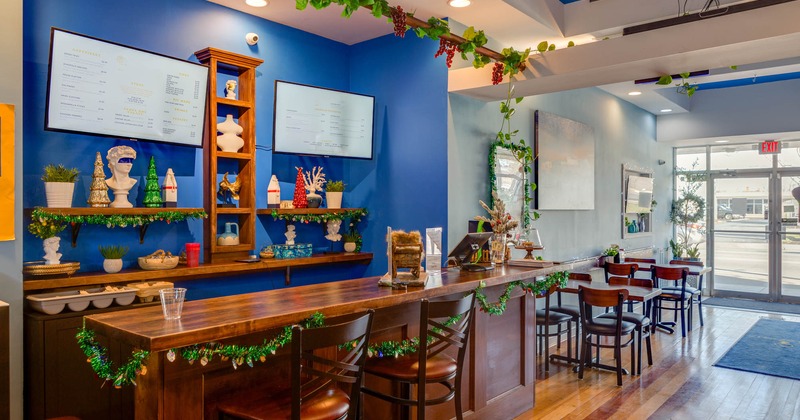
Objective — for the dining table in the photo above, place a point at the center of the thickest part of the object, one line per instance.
(694, 270)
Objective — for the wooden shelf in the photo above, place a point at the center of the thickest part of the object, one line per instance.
(183, 273)
(235, 102)
(305, 211)
(108, 211)
(233, 155)
(232, 210)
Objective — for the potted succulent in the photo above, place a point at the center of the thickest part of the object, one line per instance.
(350, 240)
(48, 232)
(333, 194)
(59, 185)
(113, 257)
(610, 255)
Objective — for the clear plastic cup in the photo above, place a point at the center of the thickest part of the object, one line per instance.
(172, 302)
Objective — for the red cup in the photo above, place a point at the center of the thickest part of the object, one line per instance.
(192, 254)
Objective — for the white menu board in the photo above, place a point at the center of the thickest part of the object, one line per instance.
(98, 87)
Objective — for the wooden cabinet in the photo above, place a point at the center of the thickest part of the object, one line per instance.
(59, 382)
(240, 165)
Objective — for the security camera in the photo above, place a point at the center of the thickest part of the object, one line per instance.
(252, 38)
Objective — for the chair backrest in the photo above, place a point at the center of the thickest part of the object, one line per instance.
(625, 281)
(682, 262)
(660, 274)
(605, 298)
(436, 337)
(624, 269)
(640, 260)
(319, 373)
(580, 276)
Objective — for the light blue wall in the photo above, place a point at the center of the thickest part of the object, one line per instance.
(623, 134)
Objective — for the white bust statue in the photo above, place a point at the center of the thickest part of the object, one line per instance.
(230, 89)
(120, 160)
(290, 235)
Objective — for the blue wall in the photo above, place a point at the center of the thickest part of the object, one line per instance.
(410, 91)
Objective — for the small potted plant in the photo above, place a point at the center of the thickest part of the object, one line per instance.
(693, 252)
(48, 232)
(59, 185)
(609, 255)
(113, 257)
(350, 240)
(333, 194)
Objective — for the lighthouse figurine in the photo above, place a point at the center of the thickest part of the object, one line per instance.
(273, 193)
(169, 190)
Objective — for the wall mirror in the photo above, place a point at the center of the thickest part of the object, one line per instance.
(509, 167)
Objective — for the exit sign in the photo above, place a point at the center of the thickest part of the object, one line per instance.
(769, 148)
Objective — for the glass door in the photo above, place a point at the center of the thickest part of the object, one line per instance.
(789, 238)
(741, 236)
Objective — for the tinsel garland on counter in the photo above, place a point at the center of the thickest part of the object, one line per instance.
(121, 220)
(239, 355)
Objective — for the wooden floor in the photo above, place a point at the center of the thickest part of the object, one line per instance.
(681, 384)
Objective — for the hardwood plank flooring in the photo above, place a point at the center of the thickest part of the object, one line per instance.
(681, 384)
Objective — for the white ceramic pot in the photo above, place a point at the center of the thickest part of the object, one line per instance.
(59, 194)
(349, 247)
(113, 265)
(229, 141)
(334, 199)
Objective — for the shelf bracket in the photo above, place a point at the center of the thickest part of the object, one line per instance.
(288, 276)
(75, 229)
(143, 231)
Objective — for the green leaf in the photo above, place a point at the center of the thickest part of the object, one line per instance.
(518, 99)
(542, 47)
(570, 44)
(503, 107)
(511, 112)
(664, 80)
(469, 33)
(552, 47)
(734, 67)
(685, 75)
(690, 91)
(301, 4)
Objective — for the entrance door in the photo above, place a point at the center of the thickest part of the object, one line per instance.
(789, 239)
(742, 236)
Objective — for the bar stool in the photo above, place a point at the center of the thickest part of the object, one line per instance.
(319, 394)
(430, 365)
(642, 321)
(625, 269)
(571, 310)
(697, 291)
(672, 282)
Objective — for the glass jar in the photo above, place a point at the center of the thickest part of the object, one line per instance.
(498, 248)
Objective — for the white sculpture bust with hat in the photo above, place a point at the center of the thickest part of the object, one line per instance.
(120, 161)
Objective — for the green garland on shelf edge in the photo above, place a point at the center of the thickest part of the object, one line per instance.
(239, 355)
(118, 219)
(355, 214)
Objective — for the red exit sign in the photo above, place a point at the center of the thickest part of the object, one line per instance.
(769, 147)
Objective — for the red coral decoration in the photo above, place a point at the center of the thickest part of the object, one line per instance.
(300, 201)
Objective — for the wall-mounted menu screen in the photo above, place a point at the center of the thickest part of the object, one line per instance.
(102, 88)
(322, 122)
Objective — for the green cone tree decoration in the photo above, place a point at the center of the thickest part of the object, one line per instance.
(152, 191)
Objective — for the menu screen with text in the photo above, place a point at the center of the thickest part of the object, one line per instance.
(103, 88)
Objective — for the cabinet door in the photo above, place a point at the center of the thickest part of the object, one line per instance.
(71, 388)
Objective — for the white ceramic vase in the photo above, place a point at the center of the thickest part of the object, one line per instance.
(59, 194)
(349, 247)
(51, 254)
(113, 265)
(334, 199)
(229, 141)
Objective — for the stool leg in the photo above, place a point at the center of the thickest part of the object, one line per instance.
(700, 307)
(639, 344)
(683, 323)
(585, 349)
(569, 339)
(459, 413)
(649, 351)
(546, 347)
(618, 356)
(558, 337)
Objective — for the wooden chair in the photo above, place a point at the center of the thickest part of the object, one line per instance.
(546, 318)
(430, 365)
(697, 290)
(572, 310)
(611, 326)
(316, 381)
(625, 269)
(640, 260)
(642, 321)
(672, 282)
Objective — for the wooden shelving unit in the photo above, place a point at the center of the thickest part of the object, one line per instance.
(224, 65)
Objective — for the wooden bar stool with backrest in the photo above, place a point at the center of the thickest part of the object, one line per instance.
(697, 290)
(572, 310)
(672, 282)
(625, 269)
(641, 261)
(545, 318)
(430, 365)
(642, 321)
(603, 327)
(316, 381)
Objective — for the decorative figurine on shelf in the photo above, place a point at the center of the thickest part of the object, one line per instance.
(313, 182)
(169, 190)
(229, 141)
(407, 252)
(273, 193)
(333, 230)
(230, 89)
(290, 234)
(48, 232)
(229, 191)
(98, 195)
(120, 161)
(152, 192)
(300, 200)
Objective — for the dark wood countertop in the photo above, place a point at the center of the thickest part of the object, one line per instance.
(238, 315)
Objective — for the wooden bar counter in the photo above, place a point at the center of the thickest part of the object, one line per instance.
(500, 362)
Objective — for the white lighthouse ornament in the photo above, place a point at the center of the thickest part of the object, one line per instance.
(169, 190)
(273, 193)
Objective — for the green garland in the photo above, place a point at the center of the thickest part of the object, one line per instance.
(121, 220)
(98, 359)
(355, 214)
(239, 355)
(523, 153)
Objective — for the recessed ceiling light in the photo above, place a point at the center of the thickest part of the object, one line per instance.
(256, 3)
(458, 3)
(634, 93)
(722, 141)
(666, 110)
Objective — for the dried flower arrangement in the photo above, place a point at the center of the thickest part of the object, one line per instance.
(500, 220)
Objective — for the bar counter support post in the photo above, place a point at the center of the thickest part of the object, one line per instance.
(288, 276)
(149, 397)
